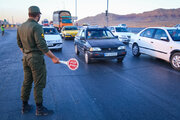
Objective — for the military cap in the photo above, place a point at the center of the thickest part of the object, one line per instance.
(34, 9)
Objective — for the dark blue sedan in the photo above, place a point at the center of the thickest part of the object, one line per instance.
(98, 43)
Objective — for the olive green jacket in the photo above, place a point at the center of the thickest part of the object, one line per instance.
(30, 37)
(2, 28)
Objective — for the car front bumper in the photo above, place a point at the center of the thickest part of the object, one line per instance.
(102, 55)
(70, 36)
(55, 46)
(124, 40)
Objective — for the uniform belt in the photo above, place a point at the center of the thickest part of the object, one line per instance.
(35, 52)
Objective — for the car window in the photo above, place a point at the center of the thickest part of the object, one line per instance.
(120, 29)
(50, 31)
(99, 34)
(83, 34)
(109, 28)
(175, 34)
(178, 25)
(147, 33)
(79, 32)
(70, 28)
(160, 33)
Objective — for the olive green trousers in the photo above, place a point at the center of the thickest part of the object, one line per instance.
(34, 71)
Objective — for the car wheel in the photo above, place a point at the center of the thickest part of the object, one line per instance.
(175, 61)
(119, 60)
(135, 50)
(76, 50)
(87, 58)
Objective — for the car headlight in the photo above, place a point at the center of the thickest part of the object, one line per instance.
(58, 40)
(95, 49)
(121, 48)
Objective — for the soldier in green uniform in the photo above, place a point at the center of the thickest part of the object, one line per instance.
(2, 29)
(30, 39)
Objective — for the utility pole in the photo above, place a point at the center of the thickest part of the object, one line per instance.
(75, 17)
(107, 13)
(76, 8)
(12, 20)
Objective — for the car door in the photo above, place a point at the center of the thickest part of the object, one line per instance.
(77, 38)
(161, 44)
(144, 41)
(82, 41)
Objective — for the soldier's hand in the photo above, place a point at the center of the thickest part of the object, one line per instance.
(55, 60)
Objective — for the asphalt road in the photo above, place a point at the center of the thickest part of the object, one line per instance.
(143, 88)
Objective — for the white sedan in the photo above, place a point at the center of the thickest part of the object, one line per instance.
(160, 42)
(123, 34)
(177, 26)
(52, 37)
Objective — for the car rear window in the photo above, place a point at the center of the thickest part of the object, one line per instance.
(147, 33)
(70, 28)
(50, 31)
(119, 29)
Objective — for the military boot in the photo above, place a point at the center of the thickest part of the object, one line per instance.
(42, 111)
(26, 107)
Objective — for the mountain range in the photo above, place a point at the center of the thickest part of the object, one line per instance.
(156, 18)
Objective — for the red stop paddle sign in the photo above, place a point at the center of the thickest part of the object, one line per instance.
(72, 63)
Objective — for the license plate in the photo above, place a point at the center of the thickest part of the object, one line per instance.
(110, 54)
(49, 44)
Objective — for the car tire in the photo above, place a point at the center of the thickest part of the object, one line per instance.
(87, 58)
(76, 50)
(119, 60)
(175, 61)
(135, 50)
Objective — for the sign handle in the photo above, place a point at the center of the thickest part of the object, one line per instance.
(64, 62)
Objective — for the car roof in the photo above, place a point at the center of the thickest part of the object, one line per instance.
(116, 26)
(69, 26)
(165, 28)
(48, 27)
(94, 27)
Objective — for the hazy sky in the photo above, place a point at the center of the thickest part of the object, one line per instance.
(18, 9)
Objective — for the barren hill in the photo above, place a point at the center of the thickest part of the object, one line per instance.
(158, 17)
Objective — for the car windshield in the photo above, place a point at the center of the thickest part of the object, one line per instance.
(119, 29)
(175, 34)
(99, 34)
(45, 22)
(70, 28)
(50, 31)
(66, 20)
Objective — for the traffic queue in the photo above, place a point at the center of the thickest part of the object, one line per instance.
(158, 42)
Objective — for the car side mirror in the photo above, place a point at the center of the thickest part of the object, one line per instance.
(164, 38)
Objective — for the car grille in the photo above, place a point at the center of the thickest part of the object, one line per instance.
(54, 44)
(109, 49)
